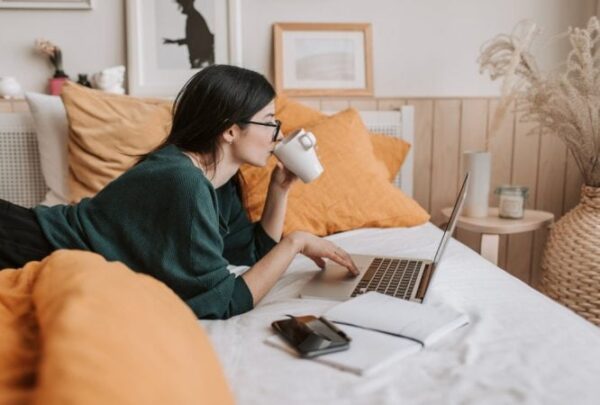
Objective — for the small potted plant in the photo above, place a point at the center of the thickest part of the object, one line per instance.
(54, 54)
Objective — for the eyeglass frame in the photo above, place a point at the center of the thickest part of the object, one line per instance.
(276, 125)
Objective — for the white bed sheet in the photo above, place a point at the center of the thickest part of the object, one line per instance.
(520, 346)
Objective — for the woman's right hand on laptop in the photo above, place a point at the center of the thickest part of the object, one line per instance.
(317, 249)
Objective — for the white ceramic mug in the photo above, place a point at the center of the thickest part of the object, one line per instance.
(297, 152)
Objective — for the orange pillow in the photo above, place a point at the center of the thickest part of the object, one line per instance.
(95, 332)
(353, 192)
(294, 115)
(107, 133)
(391, 151)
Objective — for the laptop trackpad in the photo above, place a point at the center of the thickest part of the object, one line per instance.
(334, 273)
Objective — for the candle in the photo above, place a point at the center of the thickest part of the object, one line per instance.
(511, 201)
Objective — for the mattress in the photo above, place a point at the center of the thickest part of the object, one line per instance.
(520, 347)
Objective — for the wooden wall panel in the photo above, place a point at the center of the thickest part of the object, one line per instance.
(368, 104)
(549, 193)
(422, 151)
(334, 104)
(524, 172)
(311, 102)
(445, 153)
(390, 104)
(500, 144)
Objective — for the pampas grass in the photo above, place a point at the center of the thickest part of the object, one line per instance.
(565, 103)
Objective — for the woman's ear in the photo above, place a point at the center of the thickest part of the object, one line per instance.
(231, 134)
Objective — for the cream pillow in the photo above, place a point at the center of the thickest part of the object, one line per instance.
(51, 127)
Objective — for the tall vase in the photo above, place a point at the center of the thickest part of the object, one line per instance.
(479, 165)
(571, 261)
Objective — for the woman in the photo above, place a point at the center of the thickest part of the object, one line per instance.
(177, 215)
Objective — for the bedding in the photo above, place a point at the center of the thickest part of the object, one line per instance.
(77, 329)
(520, 348)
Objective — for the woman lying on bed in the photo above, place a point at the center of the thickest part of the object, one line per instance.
(177, 215)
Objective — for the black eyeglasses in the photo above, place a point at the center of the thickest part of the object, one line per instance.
(276, 125)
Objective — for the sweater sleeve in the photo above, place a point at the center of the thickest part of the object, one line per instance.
(212, 291)
(246, 242)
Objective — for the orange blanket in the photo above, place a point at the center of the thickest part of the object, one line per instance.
(75, 329)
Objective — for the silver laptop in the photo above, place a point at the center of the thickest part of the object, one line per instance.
(402, 277)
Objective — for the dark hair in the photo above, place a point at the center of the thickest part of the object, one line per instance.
(213, 100)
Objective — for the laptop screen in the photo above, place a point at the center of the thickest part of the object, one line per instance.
(449, 230)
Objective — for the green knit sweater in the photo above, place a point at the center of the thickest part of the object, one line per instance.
(164, 218)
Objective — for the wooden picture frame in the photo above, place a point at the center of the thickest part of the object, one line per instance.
(48, 4)
(323, 59)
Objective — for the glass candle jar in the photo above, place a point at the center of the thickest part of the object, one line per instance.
(511, 202)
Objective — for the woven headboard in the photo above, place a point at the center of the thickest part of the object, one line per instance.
(21, 180)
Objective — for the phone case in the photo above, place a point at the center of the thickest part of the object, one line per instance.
(312, 336)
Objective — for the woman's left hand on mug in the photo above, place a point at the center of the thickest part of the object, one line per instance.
(282, 178)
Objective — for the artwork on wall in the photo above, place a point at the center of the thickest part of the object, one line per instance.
(47, 4)
(169, 41)
(323, 59)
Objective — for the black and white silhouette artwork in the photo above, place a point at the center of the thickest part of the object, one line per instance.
(185, 38)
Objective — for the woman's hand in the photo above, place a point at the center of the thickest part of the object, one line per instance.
(317, 249)
(281, 178)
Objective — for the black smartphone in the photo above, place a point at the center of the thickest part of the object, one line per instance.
(312, 336)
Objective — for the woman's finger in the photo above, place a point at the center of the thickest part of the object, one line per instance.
(345, 261)
(346, 256)
(318, 261)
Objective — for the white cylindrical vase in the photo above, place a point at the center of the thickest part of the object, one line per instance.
(479, 165)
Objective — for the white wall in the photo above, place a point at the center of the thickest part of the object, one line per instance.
(421, 47)
(90, 40)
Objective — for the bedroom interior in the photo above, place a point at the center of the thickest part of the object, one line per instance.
(393, 118)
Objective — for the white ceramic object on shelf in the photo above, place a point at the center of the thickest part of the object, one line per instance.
(479, 164)
(9, 87)
(110, 80)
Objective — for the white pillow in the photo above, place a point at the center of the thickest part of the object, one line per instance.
(51, 125)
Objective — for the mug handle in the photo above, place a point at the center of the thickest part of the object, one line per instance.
(308, 140)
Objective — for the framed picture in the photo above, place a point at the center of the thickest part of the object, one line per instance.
(323, 59)
(168, 41)
(47, 4)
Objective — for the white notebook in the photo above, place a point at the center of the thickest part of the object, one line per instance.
(420, 322)
(383, 330)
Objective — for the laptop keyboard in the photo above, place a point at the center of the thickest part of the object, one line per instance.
(395, 277)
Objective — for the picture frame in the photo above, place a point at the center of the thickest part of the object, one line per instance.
(48, 4)
(323, 59)
(161, 57)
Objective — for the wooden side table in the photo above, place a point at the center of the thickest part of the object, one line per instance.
(492, 226)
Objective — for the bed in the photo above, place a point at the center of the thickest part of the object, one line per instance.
(520, 346)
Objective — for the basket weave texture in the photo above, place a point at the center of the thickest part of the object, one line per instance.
(571, 262)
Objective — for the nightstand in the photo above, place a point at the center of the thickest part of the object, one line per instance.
(492, 226)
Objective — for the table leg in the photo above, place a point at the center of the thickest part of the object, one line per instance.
(489, 247)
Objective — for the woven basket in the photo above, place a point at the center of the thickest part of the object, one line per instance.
(571, 262)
